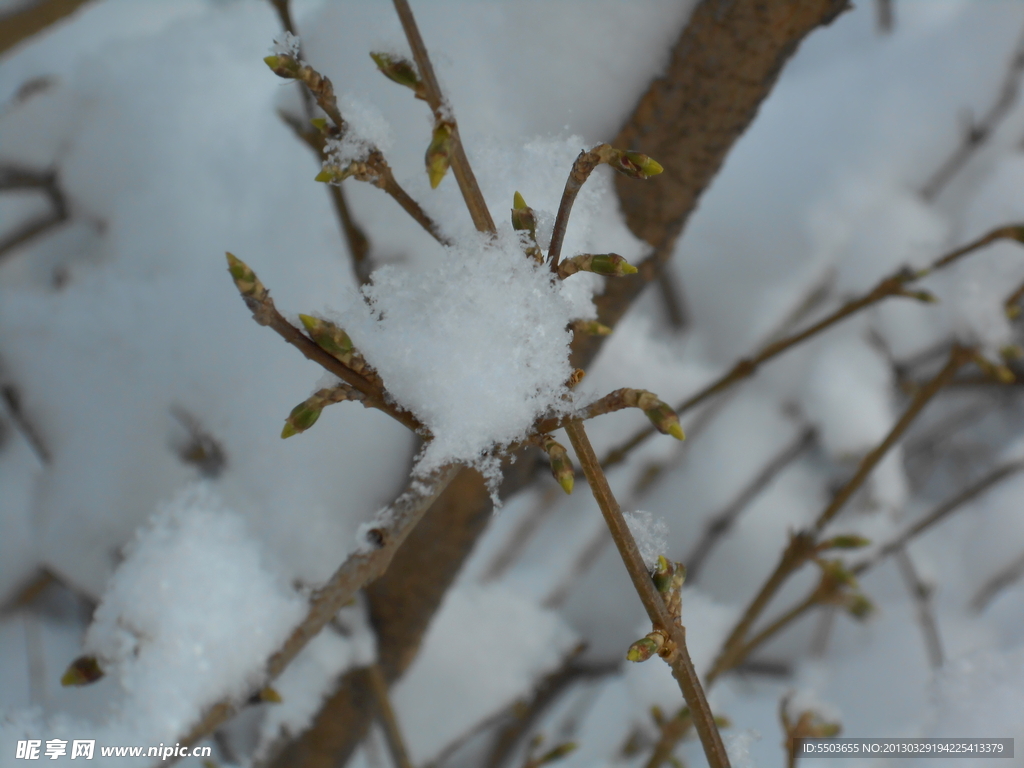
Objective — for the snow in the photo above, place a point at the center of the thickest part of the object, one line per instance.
(475, 346)
(190, 616)
(650, 534)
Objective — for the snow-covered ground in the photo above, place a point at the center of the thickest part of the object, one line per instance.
(124, 346)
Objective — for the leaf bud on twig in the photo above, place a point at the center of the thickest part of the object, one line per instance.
(245, 279)
(646, 647)
(401, 71)
(284, 66)
(636, 165)
(591, 328)
(82, 671)
(659, 412)
(305, 414)
(561, 464)
(439, 153)
(607, 264)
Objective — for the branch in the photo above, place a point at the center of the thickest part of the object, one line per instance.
(23, 24)
(723, 65)
(977, 134)
(443, 113)
(361, 567)
(921, 593)
(388, 719)
(657, 610)
(1000, 581)
(893, 285)
(258, 299)
(802, 545)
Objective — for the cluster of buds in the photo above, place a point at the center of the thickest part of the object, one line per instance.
(659, 412)
(561, 464)
(809, 724)
(668, 578)
(607, 264)
(335, 342)
(360, 170)
(401, 71)
(305, 414)
(82, 671)
(839, 587)
(524, 220)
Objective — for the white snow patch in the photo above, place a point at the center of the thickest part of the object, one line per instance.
(650, 534)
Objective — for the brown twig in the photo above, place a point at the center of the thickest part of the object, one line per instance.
(893, 285)
(921, 593)
(977, 133)
(12, 399)
(801, 546)
(32, 19)
(16, 178)
(362, 566)
(939, 514)
(1002, 579)
(443, 112)
(582, 167)
(722, 522)
(678, 659)
(388, 719)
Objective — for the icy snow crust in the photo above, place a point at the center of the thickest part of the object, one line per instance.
(161, 123)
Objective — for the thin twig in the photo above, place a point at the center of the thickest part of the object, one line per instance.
(720, 524)
(977, 133)
(898, 544)
(801, 546)
(266, 313)
(12, 399)
(921, 593)
(443, 112)
(893, 285)
(361, 567)
(388, 719)
(34, 18)
(584, 165)
(939, 514)
(679, 658)
(1003, 578)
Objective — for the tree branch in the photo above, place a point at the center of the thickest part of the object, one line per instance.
(679, 658)
(443, 112)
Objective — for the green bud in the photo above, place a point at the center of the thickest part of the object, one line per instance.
(608, 264)
(668, 577)
(82, 671)
(438, 157)
(328, 337)
(335, 174)
(245, 279)
(591, 328)
(283, 65)
(636, 165)
(401, 71)
(561, 464)
(269, 696)
(663, 417)
(320, 123)
(646, 647)
(847, 541)
(611, 264)
(1013, 311)
(859, 606)
(523, 218)
(557, 753)
(302, 417)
